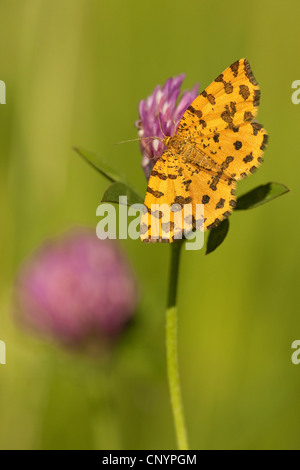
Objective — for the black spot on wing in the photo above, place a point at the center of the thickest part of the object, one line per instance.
(248, 158)
(220, 204)
(249, 73)
(155, 193)
(197, 112)
(235, 68)
(238, 145)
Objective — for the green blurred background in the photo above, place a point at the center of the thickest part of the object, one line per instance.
(75, 71)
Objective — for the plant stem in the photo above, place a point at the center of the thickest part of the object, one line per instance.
(171, 346)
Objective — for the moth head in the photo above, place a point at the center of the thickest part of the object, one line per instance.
(167, 141)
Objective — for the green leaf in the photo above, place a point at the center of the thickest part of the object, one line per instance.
(217, 236)
(117, 189)
(100, 165)
(261, 195)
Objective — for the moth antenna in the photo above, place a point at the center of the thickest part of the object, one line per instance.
(129, 140)
(159, 122)
(138, 139)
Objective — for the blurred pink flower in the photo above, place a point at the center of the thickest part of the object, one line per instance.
(77, 290)
(160, 112)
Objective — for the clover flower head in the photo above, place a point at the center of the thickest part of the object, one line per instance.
(159, 116)
(77, 290)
